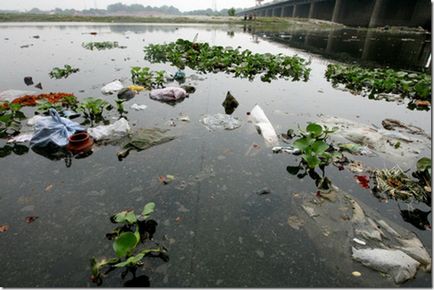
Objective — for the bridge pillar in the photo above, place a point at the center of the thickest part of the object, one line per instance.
(269, 12)
(277, 11)
(287, 11)
(337, 11)
(311, 9)
(379, 7)
(294, 11)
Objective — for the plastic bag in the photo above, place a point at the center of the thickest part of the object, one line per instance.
(264, 126)
(169, 94)
(117, 130)
(112, 87)
(53, 129)
(220, 121)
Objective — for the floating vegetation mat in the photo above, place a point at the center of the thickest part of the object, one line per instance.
(375, 82)
(205, 58)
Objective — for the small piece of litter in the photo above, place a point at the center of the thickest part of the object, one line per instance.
(30, 219)
(356, 274)
(138, 107)
(360, 242)
(4, 228)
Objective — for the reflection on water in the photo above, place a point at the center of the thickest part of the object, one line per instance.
(397, 50)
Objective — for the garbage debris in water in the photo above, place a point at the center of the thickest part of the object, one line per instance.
(126, 94)
(32, 100)
(295, 222)
(355, 166)
(166, 179)
(264, 126)
(220, 121)
(115, 131)
(380, 140)
(136, 88)
(113, 87)
(38, 86)
(143, 139)
(179, 76)
(169, 94)
(355, 149)
(356, 274)
(389, 248)
(287, 149)
(4, 228)
(183, 118)
(363, 181)
(230, 103)
(263, 191)
(392, 124)
(53, 130)
(397, 185)
(28, 81)
(22, 138)
(138, 107)
(31, 219)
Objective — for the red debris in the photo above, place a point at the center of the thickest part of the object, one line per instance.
(4, 228)
(363, 181)
(31, 100)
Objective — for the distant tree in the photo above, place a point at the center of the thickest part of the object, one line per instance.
(231, 12)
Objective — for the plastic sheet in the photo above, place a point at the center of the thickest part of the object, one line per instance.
(117, 130)
(264, 126)
(53, 129)
(220, 121)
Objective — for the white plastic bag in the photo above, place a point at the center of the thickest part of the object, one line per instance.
(264, 126)
(53, 129)
(117, 130)
(112, 87)
(169, 94)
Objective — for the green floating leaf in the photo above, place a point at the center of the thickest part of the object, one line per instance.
(125, 216)
(423, 164)
(312, 161)
(125, 244)
(303, 143)
(319, 147)
(314, 129)
(148, 210)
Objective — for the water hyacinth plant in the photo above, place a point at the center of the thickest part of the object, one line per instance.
(242, 63)
(372, 82)
(149, 79)
(132, 242)
(100, 45)
(59, 73)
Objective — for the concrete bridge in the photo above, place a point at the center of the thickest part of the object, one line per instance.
(364, 13)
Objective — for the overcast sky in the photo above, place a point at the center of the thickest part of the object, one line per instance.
(183, 5)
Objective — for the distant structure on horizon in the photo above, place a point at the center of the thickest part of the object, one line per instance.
(363, 13)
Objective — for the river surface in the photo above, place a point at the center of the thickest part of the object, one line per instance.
(219, 232)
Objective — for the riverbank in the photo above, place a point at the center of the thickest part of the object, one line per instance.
(281, 23)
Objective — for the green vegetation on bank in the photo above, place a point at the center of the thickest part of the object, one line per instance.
(28, 17)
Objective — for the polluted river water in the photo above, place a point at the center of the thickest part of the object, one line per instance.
(227, 217)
